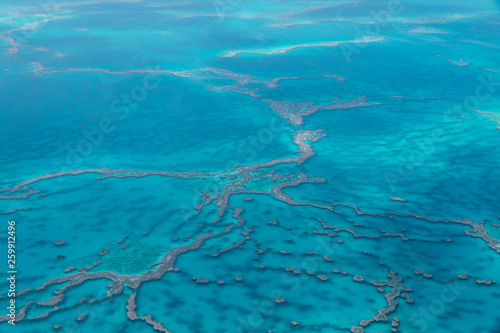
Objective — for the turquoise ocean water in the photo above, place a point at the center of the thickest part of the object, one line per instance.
(177, 135)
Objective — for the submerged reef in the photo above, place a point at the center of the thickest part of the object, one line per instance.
(222, 208)
(303, 139)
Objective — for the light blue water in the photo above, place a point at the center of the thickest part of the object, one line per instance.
(148, 86)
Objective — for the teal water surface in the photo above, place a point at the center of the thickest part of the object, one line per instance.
(171, 145)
